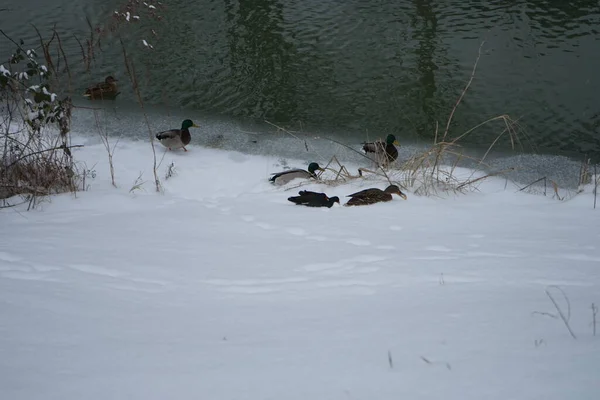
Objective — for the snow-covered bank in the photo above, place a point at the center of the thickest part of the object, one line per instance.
(222, 289)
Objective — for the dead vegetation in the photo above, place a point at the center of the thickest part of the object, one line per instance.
(36, 158)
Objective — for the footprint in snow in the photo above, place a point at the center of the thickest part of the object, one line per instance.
(27, 276)
(96, 270)
(348, 265)
(8, 257)
(318, 238)
(296, 231)
(438, 248)
(358, 242)
(477, 236)
(264, 225)
(577, 257)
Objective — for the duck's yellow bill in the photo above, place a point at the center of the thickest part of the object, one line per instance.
(195, 126)
(396, 143)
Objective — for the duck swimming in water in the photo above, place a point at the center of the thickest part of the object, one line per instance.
(281, 178)
(106, 90)
(314, 199)
(177, 138)
(374, 195)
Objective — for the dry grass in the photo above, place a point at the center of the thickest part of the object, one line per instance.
(33, 168)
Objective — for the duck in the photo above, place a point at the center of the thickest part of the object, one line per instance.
(386, 153)
(374, 195)
(314, 199)
(177, 138)
(103, 90)
(281, 178)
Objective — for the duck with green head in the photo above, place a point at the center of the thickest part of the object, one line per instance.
(177, 138)
(386, 153)
(281, 178)
(106, 90)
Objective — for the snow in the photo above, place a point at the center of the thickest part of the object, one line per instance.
(47, 93)
(4, 71)
(220, 288)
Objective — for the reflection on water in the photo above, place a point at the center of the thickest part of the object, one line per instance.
(357, 69)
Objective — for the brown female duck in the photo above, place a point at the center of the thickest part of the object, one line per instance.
(374, 195)
(106, 90)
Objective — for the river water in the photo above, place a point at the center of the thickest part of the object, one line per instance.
(345, 69)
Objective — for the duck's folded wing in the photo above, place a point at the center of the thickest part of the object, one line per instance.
(363, 193)
(171, 134)
(309, 193)
(360, 194)
(290, 172)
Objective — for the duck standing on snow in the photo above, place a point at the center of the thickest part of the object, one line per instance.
(281, 178)
(386, 153)
(177, 138)
(103, 90)
(314, 199)
(374, 195)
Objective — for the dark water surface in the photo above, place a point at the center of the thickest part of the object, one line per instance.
(349, 68)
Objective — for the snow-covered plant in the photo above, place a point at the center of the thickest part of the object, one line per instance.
(35, 157)
(27, 82)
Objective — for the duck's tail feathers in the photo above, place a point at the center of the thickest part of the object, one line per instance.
(295, 199)
(372, 147)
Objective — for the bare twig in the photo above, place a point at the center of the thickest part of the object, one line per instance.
(595, 185)
(43, 151)
(533, 183)
(564, 318)
(594, 313)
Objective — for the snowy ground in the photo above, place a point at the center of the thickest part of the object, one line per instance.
(222, 289)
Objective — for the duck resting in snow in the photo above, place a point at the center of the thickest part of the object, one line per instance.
(103, 90)
(374, 195)
(177, 138)
(281, 178)
(386, 153)
(313, 199)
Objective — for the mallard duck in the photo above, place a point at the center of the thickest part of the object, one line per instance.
(386, 153)
(281, 178)
(177, 138)
(314, 199)
(374, 195)
(103, 90)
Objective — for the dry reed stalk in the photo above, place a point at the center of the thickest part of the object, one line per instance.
(594, 313)
(136, 89)
(596, 185)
